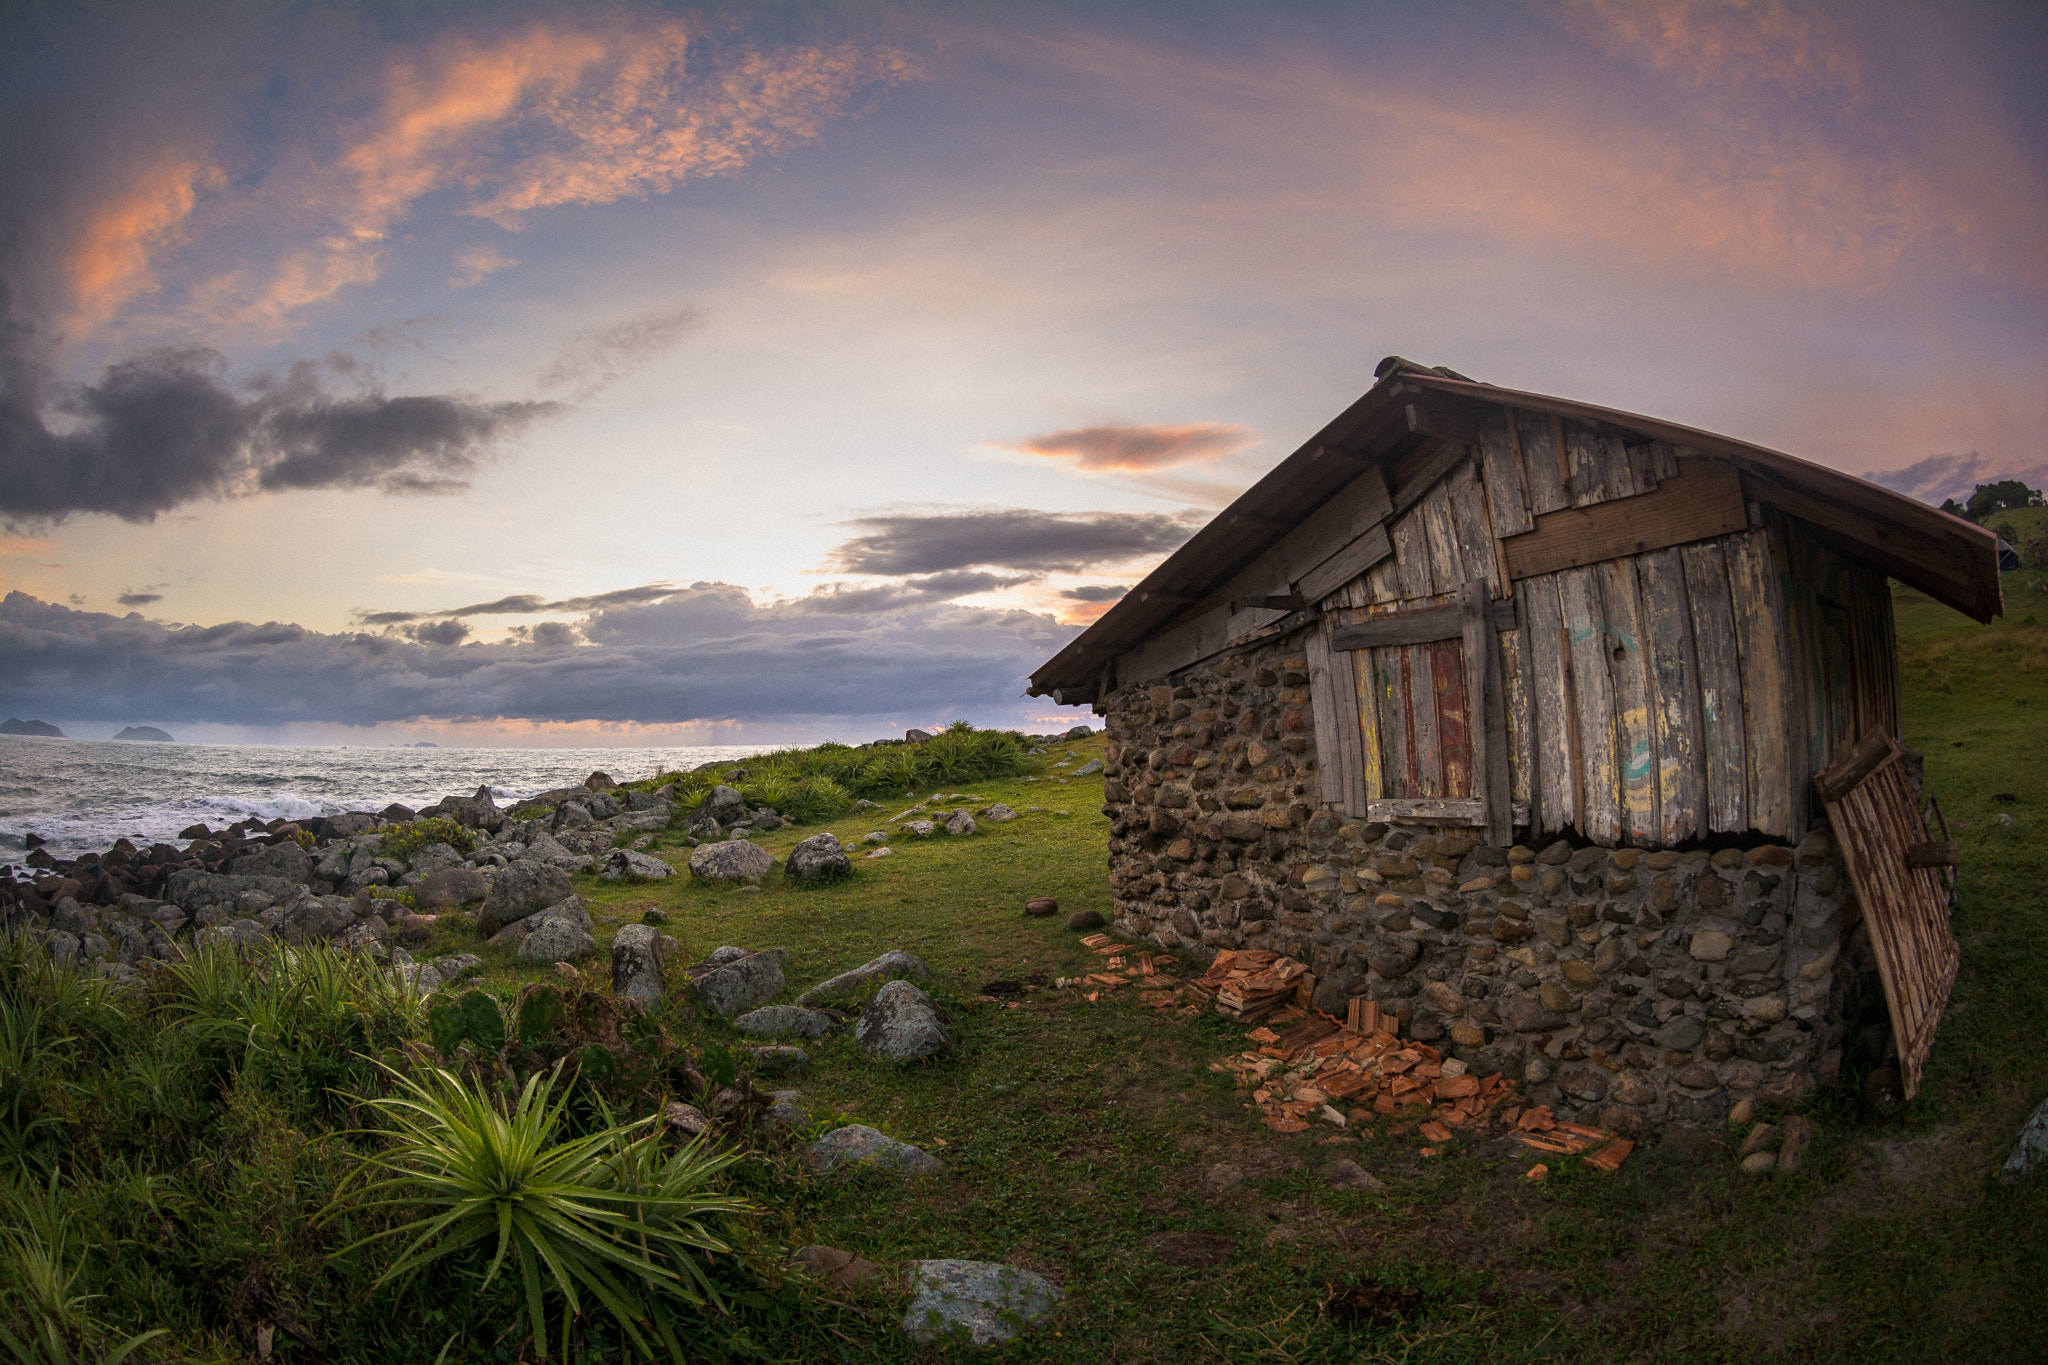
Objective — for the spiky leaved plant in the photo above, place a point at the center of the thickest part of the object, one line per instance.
(605, 1215)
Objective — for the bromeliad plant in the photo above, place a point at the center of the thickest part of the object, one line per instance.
(609, 1217)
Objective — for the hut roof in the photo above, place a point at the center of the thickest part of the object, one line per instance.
(1951, 560)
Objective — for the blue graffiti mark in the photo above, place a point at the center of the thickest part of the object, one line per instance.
(1638, 764)
(1627, 640)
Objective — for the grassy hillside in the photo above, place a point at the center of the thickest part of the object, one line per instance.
(1077, 1133)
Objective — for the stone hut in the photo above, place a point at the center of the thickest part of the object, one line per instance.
(1508, 710)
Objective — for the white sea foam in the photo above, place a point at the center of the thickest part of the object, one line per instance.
(84, 794)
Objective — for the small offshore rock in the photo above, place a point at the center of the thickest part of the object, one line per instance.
(817, 858)
(770, 1020)
(730, 860)
(986, 1301)
(889, 966)
(901, 1023)
(859, 1145)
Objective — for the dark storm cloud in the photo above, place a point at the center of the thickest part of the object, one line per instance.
(705, 652)
(1017, 539)
(526, 604)
(139, 599)
(164, 428)
(437, 632)
(1095, 592)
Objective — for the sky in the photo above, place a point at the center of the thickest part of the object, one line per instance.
(641, 374)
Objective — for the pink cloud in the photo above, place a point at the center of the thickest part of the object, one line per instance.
(1136, 448)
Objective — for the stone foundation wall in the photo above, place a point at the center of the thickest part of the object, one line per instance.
(1621, 985)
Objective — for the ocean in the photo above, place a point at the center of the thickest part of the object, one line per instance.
(82, 794)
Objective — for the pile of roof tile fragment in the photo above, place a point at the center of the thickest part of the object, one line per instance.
(1320, 1064)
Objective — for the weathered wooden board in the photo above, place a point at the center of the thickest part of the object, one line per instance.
(1411, 557)
(1579, 605)
(1664, 460)
(1365, 683)
(1758, 626)
(1430, 811)
(1345, 565)
(1446, 555)
(1414, 627)
(1674, 674)
(1487, 710)
(1905, 907)
(1472, 525)
(1635, 736)
(1453, 718)
(1397, 727)
(1543, 460)
(1703, 501)
(1642, 467)
(1507, 493)
(1584, 465)
(1514, 651)
(1550, 704)
(1334, 749)
(1723, 723)
(1425, 755)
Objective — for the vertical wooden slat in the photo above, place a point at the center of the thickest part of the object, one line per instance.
(1506, 493)
(1487, 715)
(1617, 475)
(1759, 623)
(1542, 462)
(1425, 756)
(1363, 681)
(1579, 604)
(1411, 555)
(1642, 467)
(1397, 730)
(1663, 460)
(1722, 726)
(1446, 555)
(1556, 806)
(1628, 665)
(1583, 464)
(1336, 725)
(1454, 732)
(1473, 527)
(1674, 673)
(1514, 656)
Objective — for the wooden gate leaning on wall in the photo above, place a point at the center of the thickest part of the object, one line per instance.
(1896, 872)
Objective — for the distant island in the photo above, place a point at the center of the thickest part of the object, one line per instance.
(426, 744)
(11, 726)
(149, 732)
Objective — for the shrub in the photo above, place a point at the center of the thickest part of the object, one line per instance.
(606, 1215)
(405, 841)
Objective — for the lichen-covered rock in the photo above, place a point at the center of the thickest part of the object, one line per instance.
(557, 938)
(859, 1145)
(961, 823)
(284, 860)
(817, 858)
(724, 806)
(741, 983)
(622, 863)
(447, 887)
(847, 985)
(521, 888)
(311, 919)
(730, 860)
(638, 956)
(986, 1301)
(901, 1023)
(771, 1020)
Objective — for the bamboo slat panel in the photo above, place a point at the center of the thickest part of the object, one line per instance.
(1906, 908)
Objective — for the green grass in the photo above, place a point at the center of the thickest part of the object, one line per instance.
(1074, 1132)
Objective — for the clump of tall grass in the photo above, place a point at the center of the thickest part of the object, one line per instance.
(607, 1217)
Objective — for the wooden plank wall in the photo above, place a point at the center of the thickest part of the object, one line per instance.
(1840, 612)
(1648, 698)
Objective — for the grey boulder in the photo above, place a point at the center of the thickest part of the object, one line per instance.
(770, 1020)
(286, 860)
(1092, 766)
(741, 983)
(447, 887)
(986, 1301)
(961, 823)
(816, 858)
(890, 965)
(638, 956)
(901, 1023)
(521, 887)
(730, 860)
(556, 938)
(622, 863)
(859, 1145)
(724, 805)
(311, 919)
